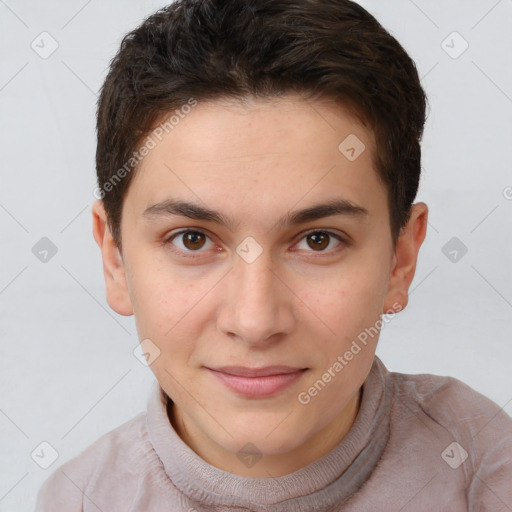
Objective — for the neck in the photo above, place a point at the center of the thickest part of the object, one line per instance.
(321, 443)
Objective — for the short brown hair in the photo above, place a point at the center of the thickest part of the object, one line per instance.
(211, 49)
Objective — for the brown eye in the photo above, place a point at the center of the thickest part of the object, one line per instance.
(188, 241)
(193, 240)
(319, 240)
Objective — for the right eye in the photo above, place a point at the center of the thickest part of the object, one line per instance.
(190, 241)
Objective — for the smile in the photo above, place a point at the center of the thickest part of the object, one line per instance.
(256, 383)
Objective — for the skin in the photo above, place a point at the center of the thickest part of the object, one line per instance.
(296, 304)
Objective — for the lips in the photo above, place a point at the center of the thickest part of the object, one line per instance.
(257, 382)
(256, 372)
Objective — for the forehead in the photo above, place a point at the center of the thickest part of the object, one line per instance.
(226, 128)
(268, 153)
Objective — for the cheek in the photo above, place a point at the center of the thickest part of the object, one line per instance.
(351, 307)
(158, 297)
(162, 310)
(350, 300)
(170, 311)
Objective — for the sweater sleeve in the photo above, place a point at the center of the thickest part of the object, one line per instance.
(102, 475)
(491, 486)
(67, 489)
(484, 431)
(61, 493)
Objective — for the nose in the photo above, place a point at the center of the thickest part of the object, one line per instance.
(258, 308)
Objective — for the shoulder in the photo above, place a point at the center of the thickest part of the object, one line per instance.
(451, 403)
(469, 426)
(112, 453)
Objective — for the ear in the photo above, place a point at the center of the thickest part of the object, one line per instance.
(118, 297)
(405, 258)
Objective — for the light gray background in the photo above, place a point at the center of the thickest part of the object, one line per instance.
(67, 369)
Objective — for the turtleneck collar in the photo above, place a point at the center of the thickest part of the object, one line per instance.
(330, 480)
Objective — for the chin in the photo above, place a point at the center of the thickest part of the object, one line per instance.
(269, 439)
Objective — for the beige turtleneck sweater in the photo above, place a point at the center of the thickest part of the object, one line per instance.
(401, 454)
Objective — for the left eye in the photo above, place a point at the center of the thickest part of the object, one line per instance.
(320, 240)
(194, 240)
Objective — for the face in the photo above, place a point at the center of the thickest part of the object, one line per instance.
(282, 258)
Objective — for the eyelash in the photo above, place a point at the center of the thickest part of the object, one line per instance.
(196, 254)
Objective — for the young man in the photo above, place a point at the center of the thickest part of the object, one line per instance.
(257, 166)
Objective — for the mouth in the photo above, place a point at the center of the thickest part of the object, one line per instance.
(257, 382)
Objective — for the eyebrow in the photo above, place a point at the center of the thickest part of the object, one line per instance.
(171, 207)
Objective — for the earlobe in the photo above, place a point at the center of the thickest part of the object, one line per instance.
(405, 258)
(116, 285)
